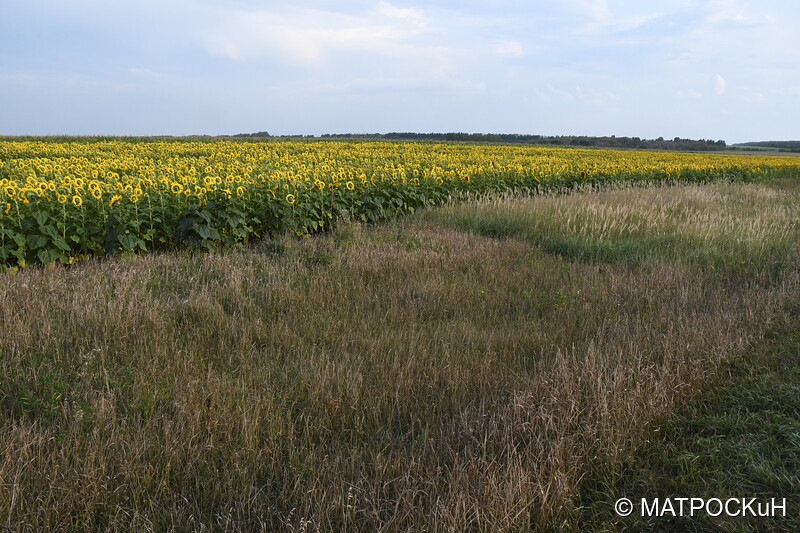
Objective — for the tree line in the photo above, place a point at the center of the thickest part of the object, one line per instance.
(612, 141)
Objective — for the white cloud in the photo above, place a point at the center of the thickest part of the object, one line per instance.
(596, 9)
(376, 85)
(414, 15)
(754, 97)
(560, 94)
(730, 12)
(602, 20)
(308, 36)
(720, 85)
(509, 48)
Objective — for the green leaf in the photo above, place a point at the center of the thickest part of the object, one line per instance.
(37, 241)
(41, 217)
(61, 244)
(206, 232)
(127, 240)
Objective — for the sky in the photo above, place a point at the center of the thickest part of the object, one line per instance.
(718, 69)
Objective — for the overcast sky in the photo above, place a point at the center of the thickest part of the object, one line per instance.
(720, 69)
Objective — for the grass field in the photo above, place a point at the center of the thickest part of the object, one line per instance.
(740, 439)
(477, 367)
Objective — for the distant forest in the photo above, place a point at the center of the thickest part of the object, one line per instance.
(558, 140)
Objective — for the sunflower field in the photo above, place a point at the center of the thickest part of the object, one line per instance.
(65, 201)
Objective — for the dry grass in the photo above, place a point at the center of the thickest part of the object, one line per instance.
(408, 377)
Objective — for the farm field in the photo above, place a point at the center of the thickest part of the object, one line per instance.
(468, 367)
(63, 201)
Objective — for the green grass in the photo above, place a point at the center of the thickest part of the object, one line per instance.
(699, 225)
(403, 377)
(741, 439)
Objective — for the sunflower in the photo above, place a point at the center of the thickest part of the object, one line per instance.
(290, 198)
(114, 199)
(97, 193)
(350, 185)
(77, 201)
(62, 199)
(176, 188)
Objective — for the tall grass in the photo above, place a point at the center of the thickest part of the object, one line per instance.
(698, 225)
(404, 377)
(739, 438)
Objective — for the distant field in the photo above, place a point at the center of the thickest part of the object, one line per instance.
(474, 367)
(64, 201)
(769, 147)
(763, 151)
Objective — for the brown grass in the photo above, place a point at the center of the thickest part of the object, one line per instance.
(409, 377)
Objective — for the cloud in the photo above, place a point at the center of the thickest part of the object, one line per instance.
(309, 36)
(729, 13)
(366, 86)
(594, 18)
(596, 9)
(509, 48)
(414, 15)
(720, 85)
